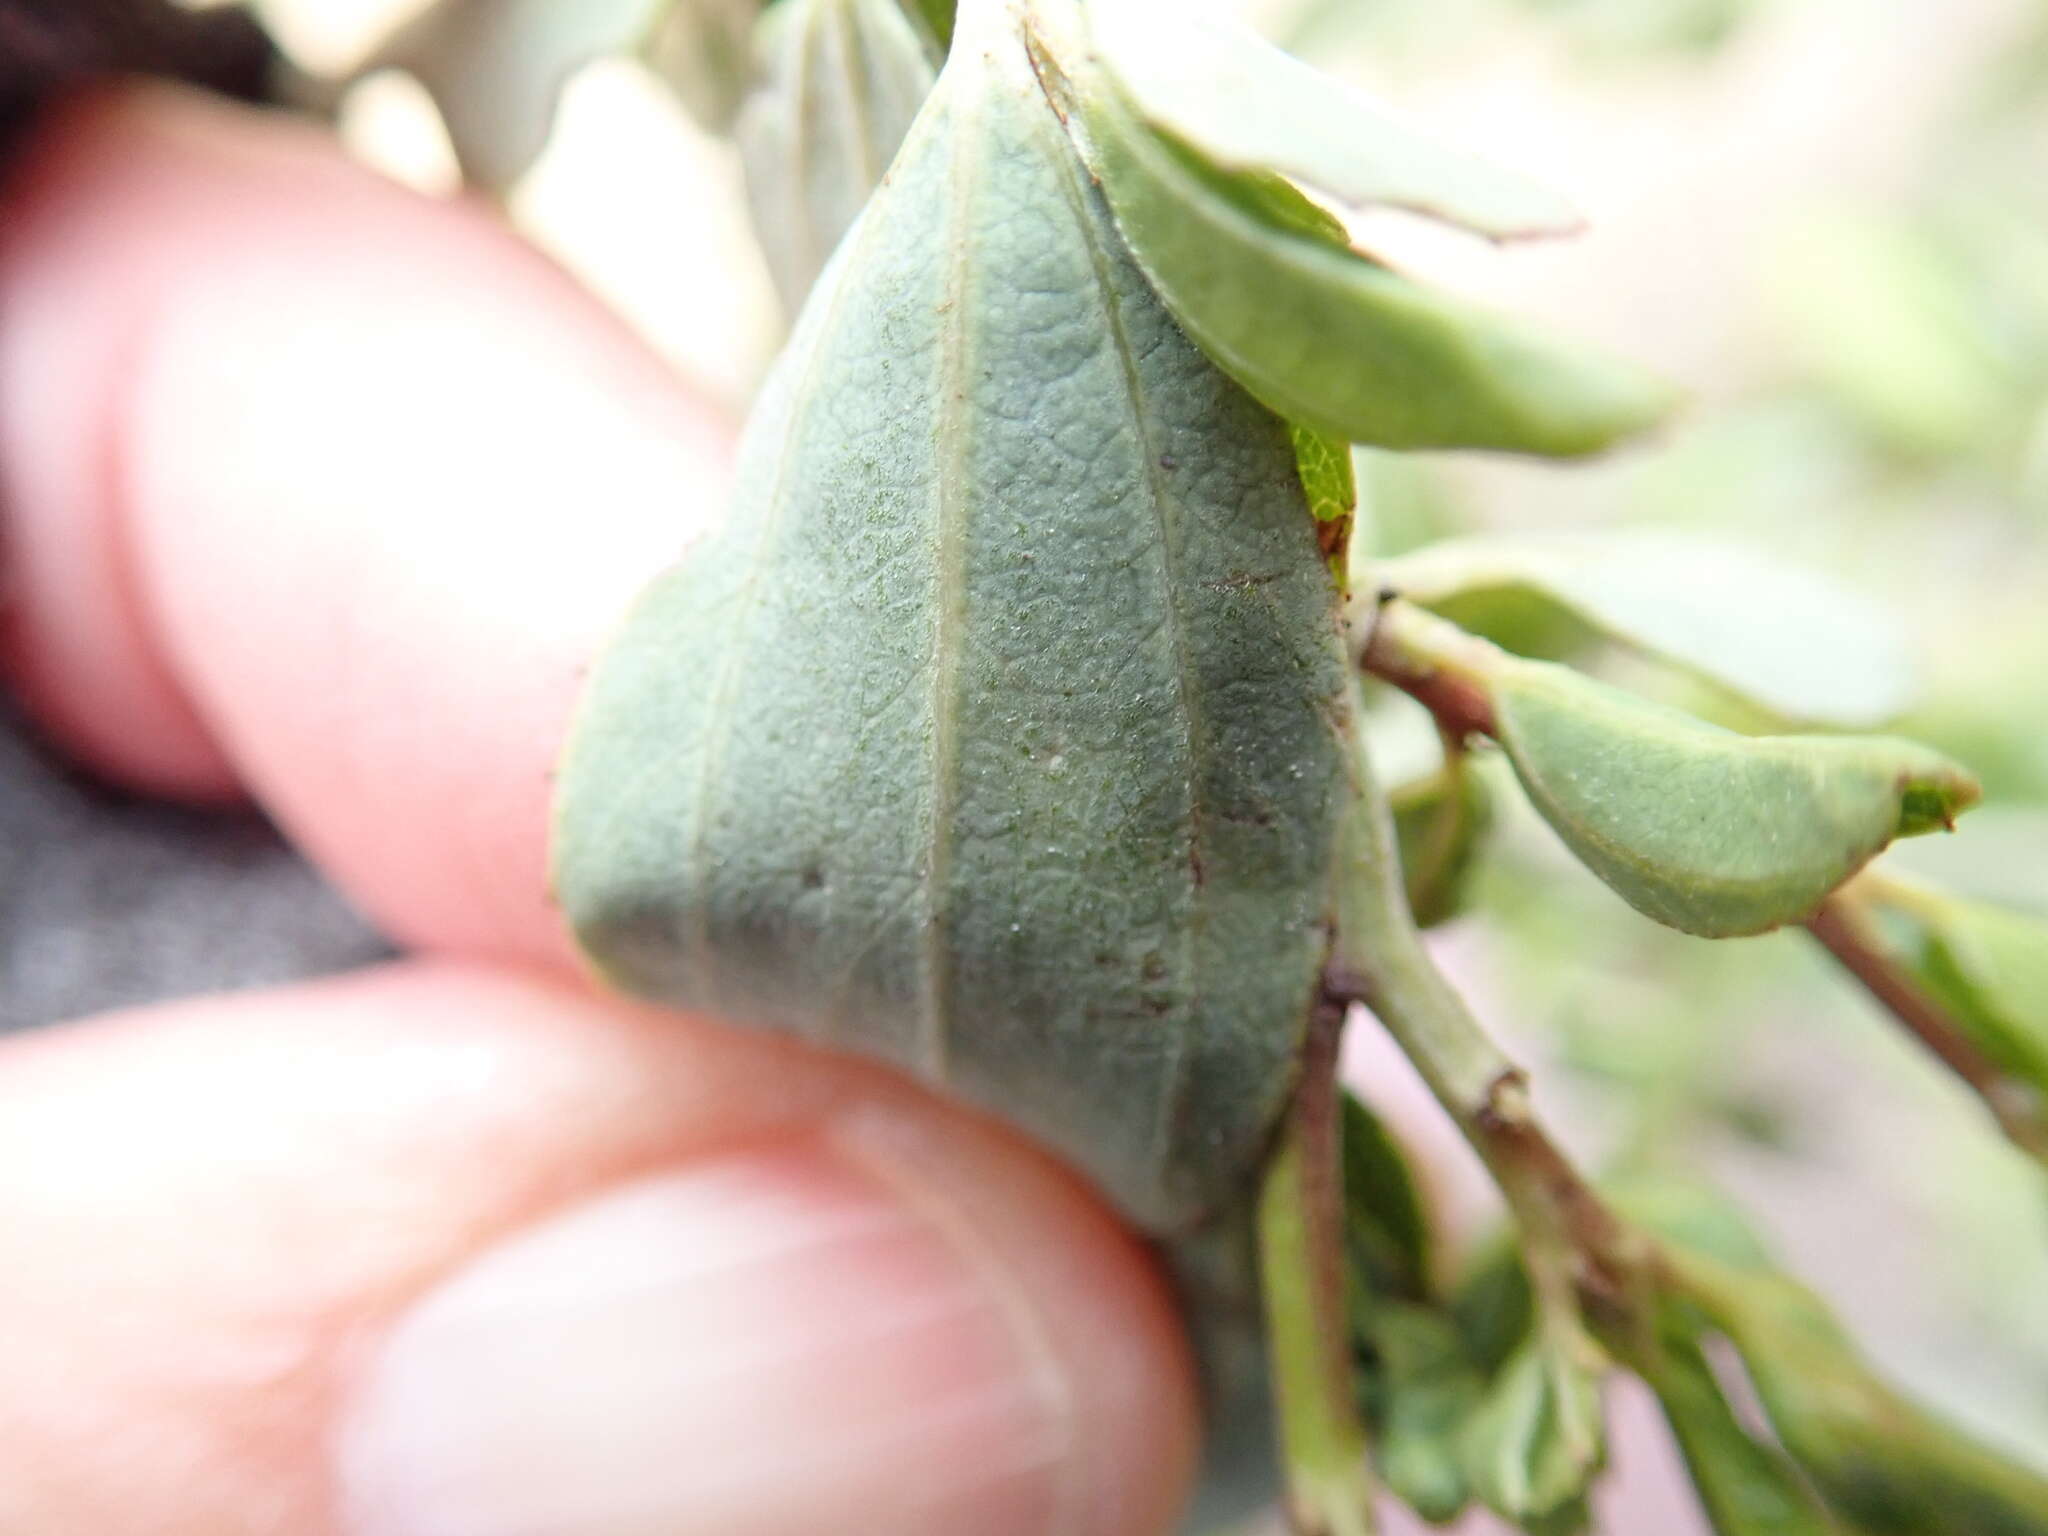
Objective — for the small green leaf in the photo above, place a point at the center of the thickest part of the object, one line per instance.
(1440, 821)
(1420, 1389)
(843, 80)
(496, 68)
(1493, 1303)
(1534, 1445)
(1786, 640)
(703, 51)
(1330, 338)
(1216, 84)
(1331, 485)
(1705, 830)
(1386, 1231)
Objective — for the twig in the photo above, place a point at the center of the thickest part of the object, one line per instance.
(1381, 962)
(1842, 930)
(1302, 1268)
(1417, 652)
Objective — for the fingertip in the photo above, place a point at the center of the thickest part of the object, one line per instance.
(325, 489)
(438, 1249)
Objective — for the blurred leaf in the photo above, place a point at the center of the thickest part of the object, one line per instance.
(1691, 1214)
(1440, 822)
(2001, 856)
(496, 68)
(703, 51)
(1707, 831)
(1232, 96)
(1883, 1464)
(1886, 321)
(1385, 1229)
(936, 16)
(1404, 502)
(842, 81)
(1420, 1389)
(1888, 1466)
(1330, 338)
(1747, 1486)
(1785, 639)
(1987, 966)
(1493, 1304)
(1536, 1441)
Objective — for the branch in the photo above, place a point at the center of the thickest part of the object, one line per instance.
(1418, 653)
(1382, 963)
(1302, 1273)
(1843, 931)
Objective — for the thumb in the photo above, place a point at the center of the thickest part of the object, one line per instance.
(436, 1252)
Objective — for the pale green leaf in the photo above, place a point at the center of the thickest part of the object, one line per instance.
(2000, 857)
(1001, 735)
(1534, 1445)
(1330, 338)
(1708, 831)
(1787, 640)
(1988, 967)
(1890, 324)
(1882, 1462)
(703, 51)
(1747, 1485)
(1217, 85)
(496, 68)
(843, 80)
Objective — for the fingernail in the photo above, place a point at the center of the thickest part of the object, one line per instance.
(775, 1341)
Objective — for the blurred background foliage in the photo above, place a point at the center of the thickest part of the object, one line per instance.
(1828, 219)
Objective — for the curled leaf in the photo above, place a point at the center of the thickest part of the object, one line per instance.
(842, 82)
(1330, 338)
(1001, 733)
(1784, 639)
(1711, 832)
(1218, 86)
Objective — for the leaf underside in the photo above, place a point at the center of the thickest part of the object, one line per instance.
(1001, 733)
